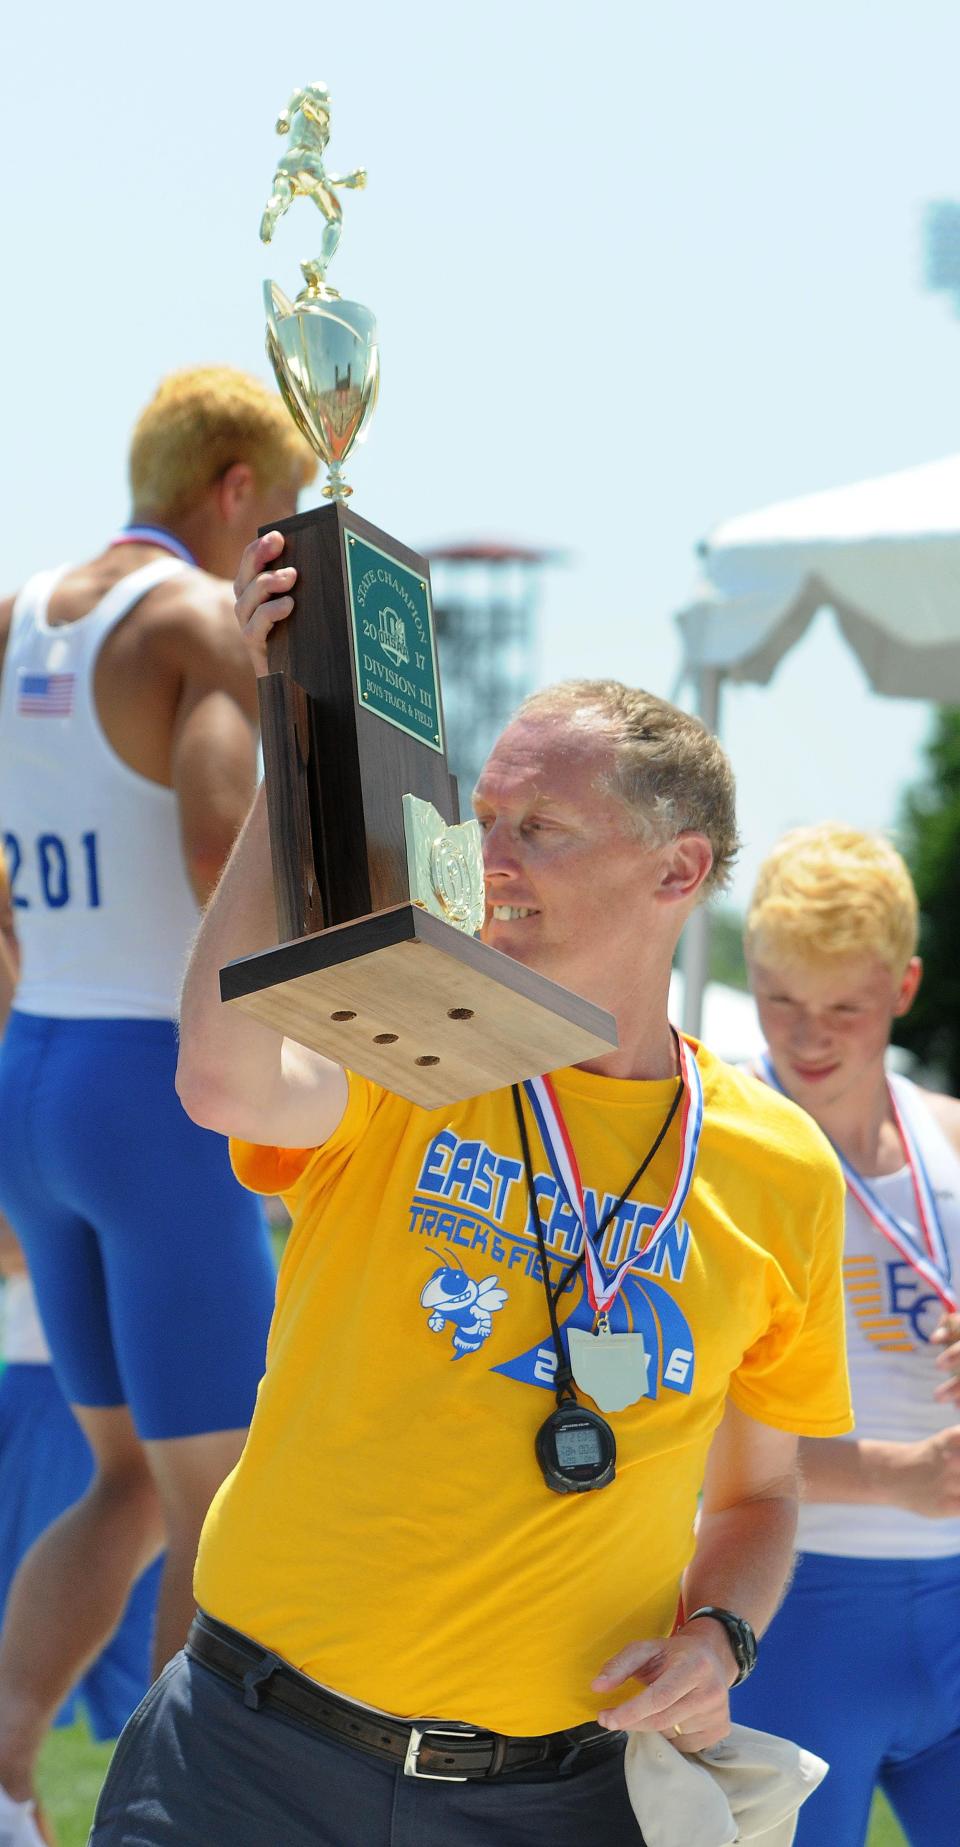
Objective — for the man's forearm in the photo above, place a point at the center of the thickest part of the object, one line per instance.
(235, 1075)
(743, 1561)
(240, 919)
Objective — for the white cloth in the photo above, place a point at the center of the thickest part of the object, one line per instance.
(18, 1827)
(747, 1788)
(22, 1339)
(890, 1314)
(104, 909)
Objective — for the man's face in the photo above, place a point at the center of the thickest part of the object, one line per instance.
(568, 882)
(827, 1023)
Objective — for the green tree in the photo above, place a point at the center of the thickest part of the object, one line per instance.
(725, 960)
(726, 949)
(931, 844)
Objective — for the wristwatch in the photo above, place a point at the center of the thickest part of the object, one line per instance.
(742, 1640)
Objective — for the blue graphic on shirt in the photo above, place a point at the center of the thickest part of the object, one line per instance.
(453, 1297)
(465, 1196)
(642, 1307)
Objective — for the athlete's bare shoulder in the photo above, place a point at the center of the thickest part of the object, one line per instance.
(187, 626)
(946, 1112)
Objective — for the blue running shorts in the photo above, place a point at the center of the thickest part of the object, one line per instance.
(151, 1264)
(862, 1665)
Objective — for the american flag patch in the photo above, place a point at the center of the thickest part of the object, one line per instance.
(45, 695)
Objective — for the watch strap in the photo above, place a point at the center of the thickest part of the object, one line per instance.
(743, 1642)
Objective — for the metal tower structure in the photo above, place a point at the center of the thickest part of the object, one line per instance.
(941, 246)
(485, 598)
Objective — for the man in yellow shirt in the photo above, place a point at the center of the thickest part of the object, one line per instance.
(410, 1628)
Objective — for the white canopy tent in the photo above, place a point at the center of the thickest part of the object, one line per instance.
(884, 555)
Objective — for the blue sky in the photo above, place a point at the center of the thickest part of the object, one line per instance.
(636, 269)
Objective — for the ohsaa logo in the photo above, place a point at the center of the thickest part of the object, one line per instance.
(393, 637)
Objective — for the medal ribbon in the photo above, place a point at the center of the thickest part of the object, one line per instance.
(602, 1289)
(931, 1258)
(138, 534)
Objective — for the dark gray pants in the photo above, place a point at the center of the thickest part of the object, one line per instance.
(195, 1767)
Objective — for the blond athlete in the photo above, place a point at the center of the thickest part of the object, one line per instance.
(127, 761)
(863, 1661)
(388, 1532)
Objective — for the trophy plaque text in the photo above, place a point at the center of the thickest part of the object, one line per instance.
(378, 886)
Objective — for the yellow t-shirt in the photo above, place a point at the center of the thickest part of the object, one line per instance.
(387, 1529)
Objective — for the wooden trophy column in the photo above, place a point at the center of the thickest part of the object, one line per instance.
(352, 722)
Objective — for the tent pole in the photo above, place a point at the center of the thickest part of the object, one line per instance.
(695, 943)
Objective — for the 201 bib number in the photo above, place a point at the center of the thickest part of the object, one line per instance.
(48, 872)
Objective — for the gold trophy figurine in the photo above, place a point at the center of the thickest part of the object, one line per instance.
(323, 349)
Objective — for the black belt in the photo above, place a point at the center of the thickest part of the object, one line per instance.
(447, 1753)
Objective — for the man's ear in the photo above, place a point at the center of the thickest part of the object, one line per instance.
(907, 991)
(686, 864)
(235, 489)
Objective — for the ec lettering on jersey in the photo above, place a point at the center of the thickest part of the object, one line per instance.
(891, 1304)
(469, 1197)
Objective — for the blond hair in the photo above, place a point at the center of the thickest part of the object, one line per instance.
(668, 769)
(197, 424)
(830, 891)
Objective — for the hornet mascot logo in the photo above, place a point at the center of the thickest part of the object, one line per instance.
(451, 1295)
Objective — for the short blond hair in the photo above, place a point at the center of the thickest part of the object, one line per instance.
(196, 425)
(830, 891)
(669, 770)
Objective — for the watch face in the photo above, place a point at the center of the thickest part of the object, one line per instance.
(576, 1450)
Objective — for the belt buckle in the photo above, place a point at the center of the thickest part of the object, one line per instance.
(411, 1765)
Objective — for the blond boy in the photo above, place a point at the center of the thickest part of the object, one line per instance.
(863, 1661)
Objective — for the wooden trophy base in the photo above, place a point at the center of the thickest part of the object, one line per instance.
(418, 1006)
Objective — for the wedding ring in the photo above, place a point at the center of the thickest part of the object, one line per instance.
(679, 1730)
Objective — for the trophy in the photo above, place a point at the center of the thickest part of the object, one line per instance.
(378, 886)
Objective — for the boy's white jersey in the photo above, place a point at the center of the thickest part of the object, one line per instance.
(891, 1313)
(102, 904)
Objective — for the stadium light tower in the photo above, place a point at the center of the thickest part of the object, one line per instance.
(941, 248)
(485, 599)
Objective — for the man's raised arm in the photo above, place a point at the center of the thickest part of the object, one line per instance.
(234, 1074)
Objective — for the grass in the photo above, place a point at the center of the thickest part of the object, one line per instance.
(72, 1768)
(885, 1830)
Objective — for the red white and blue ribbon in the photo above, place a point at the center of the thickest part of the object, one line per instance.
(602, 1289)
(141, 534)
(923, 1245)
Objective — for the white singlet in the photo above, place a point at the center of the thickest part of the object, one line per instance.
(891, 1313)
(102, 903)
